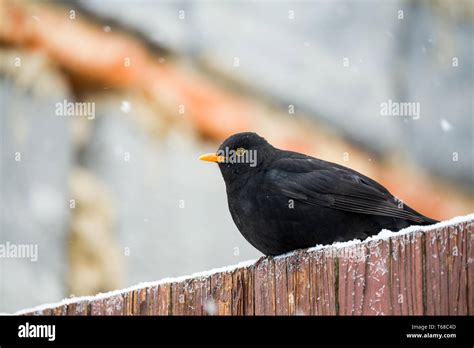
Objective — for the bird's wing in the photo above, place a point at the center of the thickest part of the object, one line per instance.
(317, 182)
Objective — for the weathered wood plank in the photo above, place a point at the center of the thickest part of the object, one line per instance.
(469, 228)
(164, 299)
(351, 280)
(436, 273)
(299, 284)
(242, 292)
(377, 285)
(323, 282)
(188, 298)
(178, 296)
(141, 303)
(282, 299)
(127, 303)
(265, 287)
(406, 279)
(291, 286)
(221, 292)
(136, 299)
(201, 302)
(457, 270)
(152, 298)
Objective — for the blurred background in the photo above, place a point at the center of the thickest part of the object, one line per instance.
(106, 105)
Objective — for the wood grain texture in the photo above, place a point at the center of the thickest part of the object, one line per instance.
(242, 292)
(469, 230)
(164, 300)
(419, 273)
(323, 282)
(406, 276)
(264, 290)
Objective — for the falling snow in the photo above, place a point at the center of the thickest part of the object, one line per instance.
(445, 125)
(125, 106)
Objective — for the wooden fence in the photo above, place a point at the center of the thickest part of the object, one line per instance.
(428, 271)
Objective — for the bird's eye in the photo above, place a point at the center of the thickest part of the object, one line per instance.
(240, 151)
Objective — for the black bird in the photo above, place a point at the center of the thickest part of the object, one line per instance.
(282, 200)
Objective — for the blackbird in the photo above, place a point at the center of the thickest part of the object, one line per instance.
(283, 200)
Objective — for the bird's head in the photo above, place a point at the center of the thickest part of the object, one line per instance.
(241, 154)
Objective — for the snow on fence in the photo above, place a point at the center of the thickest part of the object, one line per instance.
(421, 270)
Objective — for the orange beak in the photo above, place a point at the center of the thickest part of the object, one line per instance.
(212, 157)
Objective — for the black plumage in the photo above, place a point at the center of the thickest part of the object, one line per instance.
(289, 200)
